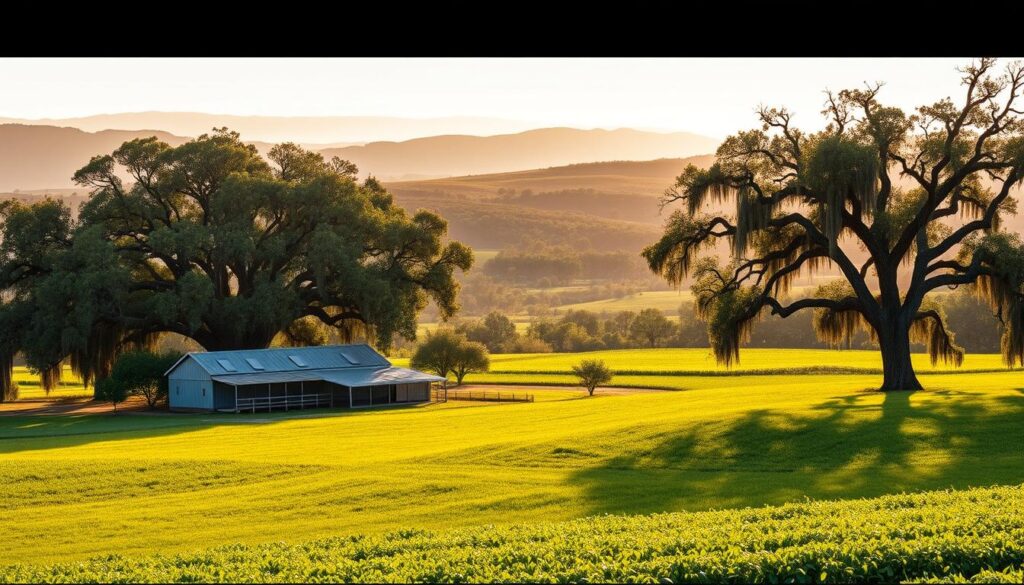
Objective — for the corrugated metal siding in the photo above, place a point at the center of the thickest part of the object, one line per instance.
(189, 386)
(190, 394)
(189, 369)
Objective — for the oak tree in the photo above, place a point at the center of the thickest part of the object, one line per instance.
(902, 205)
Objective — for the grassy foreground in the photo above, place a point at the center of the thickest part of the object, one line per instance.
(72, 487)
(951, 535)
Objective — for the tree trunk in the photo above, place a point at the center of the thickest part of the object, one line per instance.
(897, 369)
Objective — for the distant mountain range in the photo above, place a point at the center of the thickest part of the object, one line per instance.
(326, 130)
(46, 157)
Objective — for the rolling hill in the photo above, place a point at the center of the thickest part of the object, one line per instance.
(615, 190)
(45, 157)
(439, 156)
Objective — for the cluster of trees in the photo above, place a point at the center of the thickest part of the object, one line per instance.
(545, 266)
(580, 330)
(211, 241)
(588, 331)
(446, 351)
(481, 294)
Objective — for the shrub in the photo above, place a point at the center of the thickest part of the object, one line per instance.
(592, 373)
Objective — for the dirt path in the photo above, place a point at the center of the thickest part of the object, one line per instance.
(602, 390)
(56, 406)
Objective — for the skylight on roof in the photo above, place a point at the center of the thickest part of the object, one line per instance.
(298, 361)
(255, 363)
(350, 357)
(227, 365)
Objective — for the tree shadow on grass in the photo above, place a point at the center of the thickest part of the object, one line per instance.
(56, 431)
(853, 446)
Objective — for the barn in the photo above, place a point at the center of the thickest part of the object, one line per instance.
(347, 376)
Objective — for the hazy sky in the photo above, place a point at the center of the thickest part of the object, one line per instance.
(708, 96)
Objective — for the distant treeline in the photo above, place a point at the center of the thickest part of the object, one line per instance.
(546, 266)
(480, 294)
(580, 330)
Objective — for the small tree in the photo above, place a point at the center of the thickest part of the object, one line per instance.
(439, 352)
(109, 390)
(471, 356)
(139, 373)
(652, 327)
(592, 373)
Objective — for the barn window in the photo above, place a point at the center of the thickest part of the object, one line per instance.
(227, 365)
(298, 361)
(255, 363)
(204, 391)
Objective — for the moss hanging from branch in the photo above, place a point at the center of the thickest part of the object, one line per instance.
(836, 170)
(49, 377)
(698, 186)
(1002, 287)
(1004, 297)
(837, 328)
(96, 359)
(751, 216)
(930, 329)
(729, 311)
(673, 255)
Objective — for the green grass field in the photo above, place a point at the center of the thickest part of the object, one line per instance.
(522, 323)
(72, 487)
(667, 301)
(30, 389)
(943, 536)
(667, 366)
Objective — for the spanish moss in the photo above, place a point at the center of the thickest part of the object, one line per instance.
(49, 377)
(937, 339)
(839, 170)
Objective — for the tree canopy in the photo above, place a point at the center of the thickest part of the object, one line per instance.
(591, 374)
(446, 351)
(924, 192)
(211, 241)
(139, 373)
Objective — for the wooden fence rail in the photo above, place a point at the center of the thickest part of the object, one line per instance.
(490, 396)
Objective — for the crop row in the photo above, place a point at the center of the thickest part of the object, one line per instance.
(939, 536)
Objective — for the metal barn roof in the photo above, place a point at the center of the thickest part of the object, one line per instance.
(345, 377)
(286, 359)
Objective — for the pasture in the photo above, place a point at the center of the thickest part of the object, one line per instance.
(72, 487)
(30, 389)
